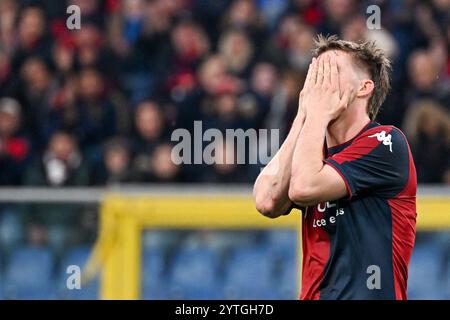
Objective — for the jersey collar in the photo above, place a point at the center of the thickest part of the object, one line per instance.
(342, 146)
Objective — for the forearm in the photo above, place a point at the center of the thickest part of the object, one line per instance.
(272, 185)
(307, 160)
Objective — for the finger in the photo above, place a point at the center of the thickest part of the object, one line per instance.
(326, 71)
(313, 72)
(334, 74)
(310, 77)
(320, 68)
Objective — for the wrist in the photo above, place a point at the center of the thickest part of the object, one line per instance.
(319, 120)
(300, 117)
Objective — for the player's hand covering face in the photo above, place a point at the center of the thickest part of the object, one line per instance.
(325, 93)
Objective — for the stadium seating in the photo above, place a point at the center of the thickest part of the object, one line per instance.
(288, 279)
(200, 271)
(1, 278)
(11, 229)
(194, 274)
(282, 243)
(29, 274)
(88, 291)
(424, 272)
(249, 274)
(154, 277)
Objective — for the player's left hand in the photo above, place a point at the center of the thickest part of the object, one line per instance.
(324, 98)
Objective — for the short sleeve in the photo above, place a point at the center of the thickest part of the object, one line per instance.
(376, 162)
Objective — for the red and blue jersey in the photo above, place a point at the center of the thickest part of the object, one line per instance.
(372, 229)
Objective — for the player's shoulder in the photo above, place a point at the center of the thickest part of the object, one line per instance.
(374, 128)
(387, 135)
(384, 132)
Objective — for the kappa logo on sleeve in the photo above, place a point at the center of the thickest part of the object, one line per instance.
(386, 139)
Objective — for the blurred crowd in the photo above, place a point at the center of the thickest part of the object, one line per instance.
(97, 106)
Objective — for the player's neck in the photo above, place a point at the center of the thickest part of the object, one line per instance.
(347, 126)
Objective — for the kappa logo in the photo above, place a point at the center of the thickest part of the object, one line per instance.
(386, 139)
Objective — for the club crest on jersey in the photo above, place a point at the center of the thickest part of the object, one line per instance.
(386, 139)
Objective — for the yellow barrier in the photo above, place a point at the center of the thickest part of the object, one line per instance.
(117, 252)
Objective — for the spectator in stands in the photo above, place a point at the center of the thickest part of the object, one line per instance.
(276, 47)
(337, 12)
(300, 45)
(285, 102)
(64, 59)
(160, 168)
(198, 105)
(115, 165)
(91, 10)
(6, 74)
(32, 36)
(127, 26)
(36, 92)
(155, 34)
(355, 29)
(424, 73)
(225, 169)
(97, 115)
(91, 51)
(214, 62)
(271, 11)
(9, 11)
(264, 80)
(213, 80)
(189, 44)
(447, 62)
(62, 164)
(427, 125)
(237, 52)
(256, 101)
(150, 131)
(231, 110)
(309, 11)
(243, 14)
(15, 148)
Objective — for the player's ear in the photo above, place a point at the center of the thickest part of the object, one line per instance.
(365, 88)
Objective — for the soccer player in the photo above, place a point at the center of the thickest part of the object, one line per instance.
(353, 179)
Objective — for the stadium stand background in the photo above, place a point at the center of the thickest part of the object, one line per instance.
(96, 107)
